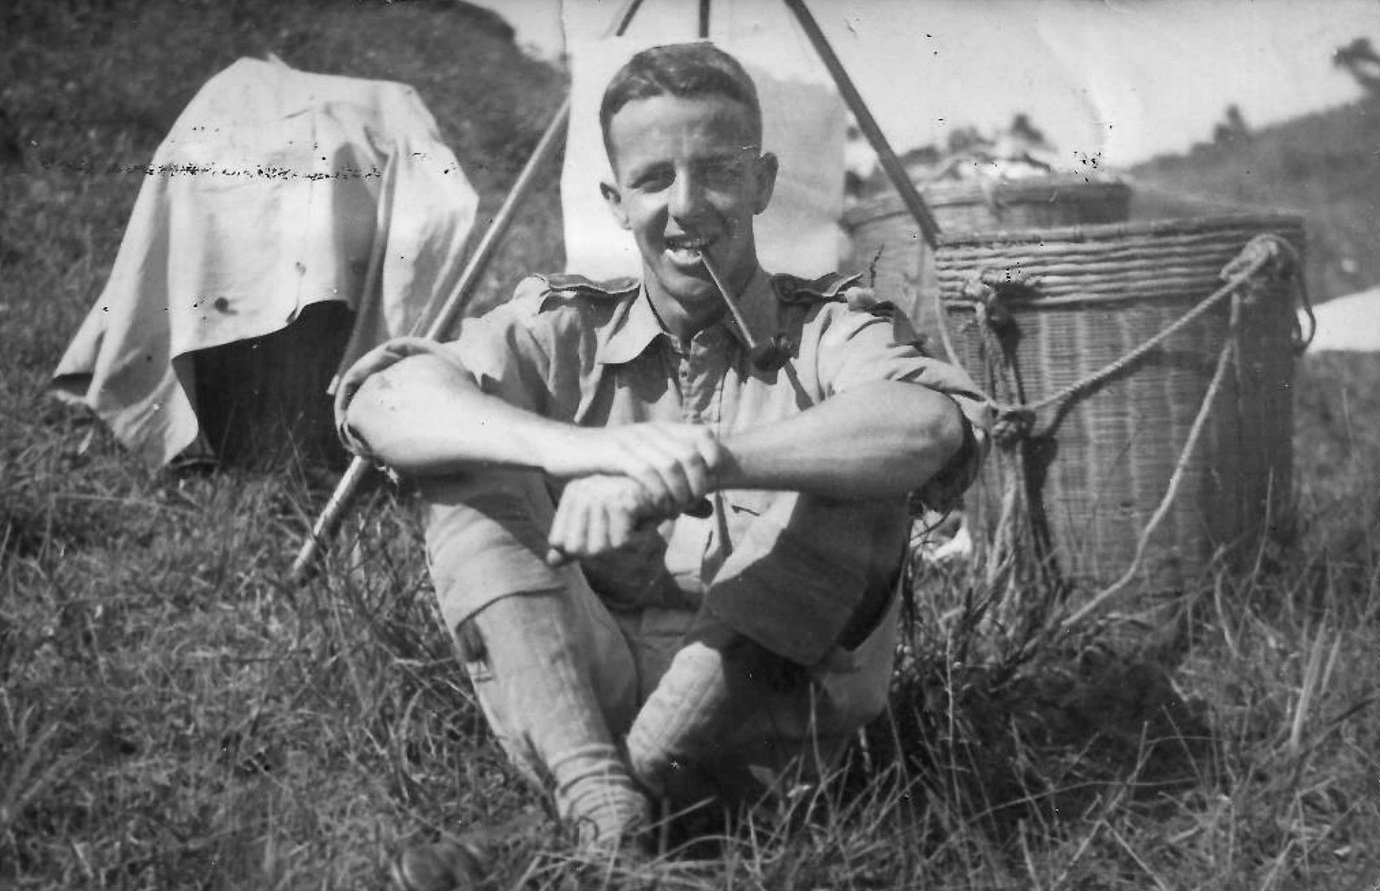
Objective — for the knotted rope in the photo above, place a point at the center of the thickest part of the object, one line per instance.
(992, 295)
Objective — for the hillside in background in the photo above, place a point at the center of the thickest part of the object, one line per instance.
(92, 86)
(1325, 166)
(89, 88)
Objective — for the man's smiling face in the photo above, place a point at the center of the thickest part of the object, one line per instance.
(689, 177)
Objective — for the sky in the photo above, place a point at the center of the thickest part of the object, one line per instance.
(1115, 80)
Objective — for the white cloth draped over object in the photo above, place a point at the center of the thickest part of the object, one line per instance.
(275, 189)
(804, 123)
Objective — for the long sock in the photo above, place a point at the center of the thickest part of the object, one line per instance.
(545, 709)
(677, 729)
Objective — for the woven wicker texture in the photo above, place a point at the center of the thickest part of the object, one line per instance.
(886, 240)
(1099, 463)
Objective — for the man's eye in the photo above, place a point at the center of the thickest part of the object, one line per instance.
(725, 173)
(653, 182)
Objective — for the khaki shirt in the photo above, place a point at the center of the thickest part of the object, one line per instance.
(786, 569)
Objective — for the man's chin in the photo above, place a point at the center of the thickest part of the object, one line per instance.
(686, 285)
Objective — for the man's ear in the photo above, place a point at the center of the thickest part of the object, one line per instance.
(765, 170)
(614, 199)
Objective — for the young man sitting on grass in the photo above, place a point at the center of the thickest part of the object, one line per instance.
(670, 566)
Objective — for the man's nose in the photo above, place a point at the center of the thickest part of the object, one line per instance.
(687, 197)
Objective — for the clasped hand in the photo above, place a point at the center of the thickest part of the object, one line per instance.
(619, 478)
(623, 478)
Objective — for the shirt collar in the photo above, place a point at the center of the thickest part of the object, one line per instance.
(637, 325)
(758, 305)
(632, 330)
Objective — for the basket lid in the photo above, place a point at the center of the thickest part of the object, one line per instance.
(1030, 190)
(1263, 222)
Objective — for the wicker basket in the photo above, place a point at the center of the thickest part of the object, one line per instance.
(886, 240)
(1098, 465)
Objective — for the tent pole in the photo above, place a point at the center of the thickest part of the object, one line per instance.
(459, 298)
(910, 196)
(868, 124)
(304, 565)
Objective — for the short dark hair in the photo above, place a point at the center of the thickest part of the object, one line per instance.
(685, 70)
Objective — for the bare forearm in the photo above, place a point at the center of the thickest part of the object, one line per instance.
(878, 441)
(425, 417)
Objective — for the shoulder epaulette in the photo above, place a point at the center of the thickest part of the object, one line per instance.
(825, 289)
(544, 291)
(569, 283)
(834, 287)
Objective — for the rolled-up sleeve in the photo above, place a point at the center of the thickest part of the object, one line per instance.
(504, 357)
(861, 347)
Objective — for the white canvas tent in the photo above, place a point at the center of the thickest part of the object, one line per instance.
(1350, 323)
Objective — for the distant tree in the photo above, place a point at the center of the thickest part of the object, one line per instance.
(921, 156)
(1360, 60)
(1032, 137)
(967, 139)
(1235, 121)
(1232, 129)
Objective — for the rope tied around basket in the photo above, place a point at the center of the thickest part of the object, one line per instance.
(1267, 253)
(1013, 424)
(992, 291)
(1265, 259)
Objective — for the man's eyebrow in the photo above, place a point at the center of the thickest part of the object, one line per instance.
(734, 156)
(648, 166)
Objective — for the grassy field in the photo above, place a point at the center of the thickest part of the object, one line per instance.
(174, 714)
